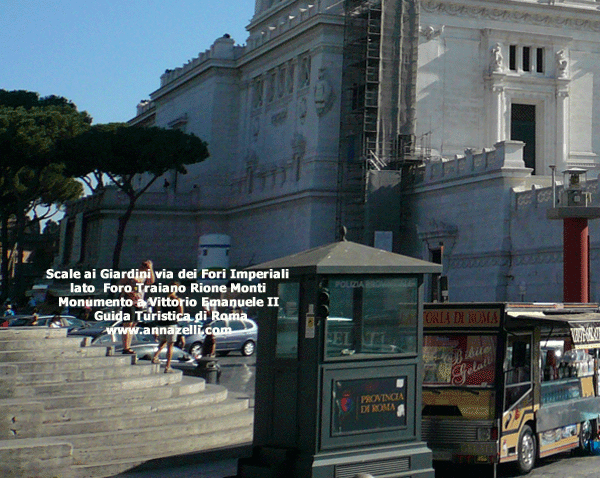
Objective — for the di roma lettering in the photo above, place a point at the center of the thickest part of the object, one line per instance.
(462, 318)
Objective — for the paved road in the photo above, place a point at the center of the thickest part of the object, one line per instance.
(238, 375)
(563, 466)
(218, 469)
(558, 466)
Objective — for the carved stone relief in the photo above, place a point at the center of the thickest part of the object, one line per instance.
(298, 149)
(290, 78)
(304, 73)
(255, 125)
(496, 60)
(324, 94)
(508, 14)
(279, 118)
(430, 32)
(257, 93)
(302, 110)
(562, 64)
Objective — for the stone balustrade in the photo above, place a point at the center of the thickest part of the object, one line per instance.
(541, 197)
(223, 48)
(279, 23)
(144, 106)
(112, 198)
(506, 155)
(275, 23)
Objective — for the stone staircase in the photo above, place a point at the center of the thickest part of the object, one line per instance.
(68, 410)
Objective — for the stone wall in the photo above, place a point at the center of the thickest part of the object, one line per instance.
(490, 216)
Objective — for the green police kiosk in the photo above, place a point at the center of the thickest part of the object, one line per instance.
(338, 382)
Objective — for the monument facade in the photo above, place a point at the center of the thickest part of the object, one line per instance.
(283, 122)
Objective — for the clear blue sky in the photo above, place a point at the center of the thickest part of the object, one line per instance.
(107, 55)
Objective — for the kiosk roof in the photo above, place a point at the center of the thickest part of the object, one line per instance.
(346, 257)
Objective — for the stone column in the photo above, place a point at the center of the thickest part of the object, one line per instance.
(562, 126)
(498, 128)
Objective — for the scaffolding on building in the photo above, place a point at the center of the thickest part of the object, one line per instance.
(377, 130)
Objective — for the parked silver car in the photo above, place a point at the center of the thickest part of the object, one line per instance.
(66, 321)
(144, 347)
(230, 335)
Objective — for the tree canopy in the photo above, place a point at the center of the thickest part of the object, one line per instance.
(31, 99)
(123, 153)
(30, 173)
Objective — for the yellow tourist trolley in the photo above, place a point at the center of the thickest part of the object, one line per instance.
(509, 382)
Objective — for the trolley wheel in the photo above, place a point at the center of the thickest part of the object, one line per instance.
(585, 436)
(526, 451)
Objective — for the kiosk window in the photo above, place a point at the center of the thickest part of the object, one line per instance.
(371, 316)
(287, 320)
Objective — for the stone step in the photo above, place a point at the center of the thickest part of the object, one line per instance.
(186, 386)
(30, 343)
(36, 457)
(11, 333)
(52, 354)
(211, 395)
(109, 468)
(139, 438)
(101, 372)
(102, 415)
(155, 419)
(20, 419)
(72, 364)
(97, 386)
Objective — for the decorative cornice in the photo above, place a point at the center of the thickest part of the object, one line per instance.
(504, 258)
(533, 258)
(506, 12)
(492, 259)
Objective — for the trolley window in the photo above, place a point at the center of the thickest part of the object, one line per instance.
(459, 360)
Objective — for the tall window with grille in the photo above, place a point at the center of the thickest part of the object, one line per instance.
(522, 128)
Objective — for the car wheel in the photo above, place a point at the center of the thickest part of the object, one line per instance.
(527, 451)
(585, 436)
(195, 348)
(248, 348)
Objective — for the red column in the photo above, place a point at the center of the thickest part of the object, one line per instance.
(575, 260)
